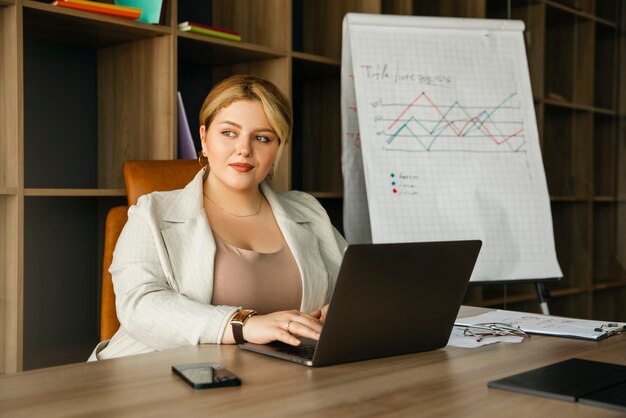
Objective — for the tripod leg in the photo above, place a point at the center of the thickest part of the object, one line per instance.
(543, 295)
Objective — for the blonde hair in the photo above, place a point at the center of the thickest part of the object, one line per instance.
(247, 87)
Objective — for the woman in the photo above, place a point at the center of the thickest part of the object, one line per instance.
(226, 259)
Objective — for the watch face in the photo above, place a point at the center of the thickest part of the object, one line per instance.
(237, 318)
(241, 316)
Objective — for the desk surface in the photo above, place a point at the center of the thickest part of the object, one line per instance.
(447, 382)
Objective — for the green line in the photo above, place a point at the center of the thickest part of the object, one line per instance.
(456, 103)
(444, 116)
(496, 108)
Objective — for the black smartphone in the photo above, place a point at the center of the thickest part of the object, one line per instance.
(206, 375)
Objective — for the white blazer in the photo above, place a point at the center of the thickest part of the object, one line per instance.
(163, 267)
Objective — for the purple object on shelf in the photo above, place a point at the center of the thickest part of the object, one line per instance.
(186, 148)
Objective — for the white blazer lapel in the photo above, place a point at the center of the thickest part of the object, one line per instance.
(189, 242)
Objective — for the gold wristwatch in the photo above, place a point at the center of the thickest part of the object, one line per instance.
(238, 321)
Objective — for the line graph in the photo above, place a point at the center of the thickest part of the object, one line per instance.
(448, 141)
(428, 123)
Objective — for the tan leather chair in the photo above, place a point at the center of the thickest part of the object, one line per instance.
(141, 177)
(116, 219)
(147, 176)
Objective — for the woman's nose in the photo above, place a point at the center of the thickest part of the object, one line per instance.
(243, 146)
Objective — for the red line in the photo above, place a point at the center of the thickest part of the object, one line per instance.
(473, 118)
(510, 136)
(493, 138)
(451, 123)
(405, 109)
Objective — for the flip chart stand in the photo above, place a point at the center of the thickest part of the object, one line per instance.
(543, 294)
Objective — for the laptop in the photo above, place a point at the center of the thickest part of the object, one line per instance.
(389, 299)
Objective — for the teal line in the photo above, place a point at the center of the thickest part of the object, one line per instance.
(445, 115)
(456, 103)
(493, 111)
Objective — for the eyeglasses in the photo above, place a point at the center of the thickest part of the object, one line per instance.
(486, 330)
(610, 329)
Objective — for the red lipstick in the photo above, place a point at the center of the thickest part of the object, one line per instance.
(241, 167)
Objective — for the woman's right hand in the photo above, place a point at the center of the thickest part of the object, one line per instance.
(283, 326)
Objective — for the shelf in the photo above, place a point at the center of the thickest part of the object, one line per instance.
(580, 13)
(605, 22)
(609, 199)
(74, 192)
(51, 23)
(309, 66)
(326, 195)
(603, 284)
(577, 106)
(560, 35)
(570, 199)
(559, 293)
(216, 51)
(607, 12)
(7, 3)
(8, 191)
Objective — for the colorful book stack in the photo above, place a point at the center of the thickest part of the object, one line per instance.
(210, 31)
(125, 12)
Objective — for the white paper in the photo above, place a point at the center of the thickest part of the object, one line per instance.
(449, 141)
(355, 213)
(543, 324)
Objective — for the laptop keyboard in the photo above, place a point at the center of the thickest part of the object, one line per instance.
(306, 351)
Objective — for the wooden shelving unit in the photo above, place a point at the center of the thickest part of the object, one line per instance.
(80, 93)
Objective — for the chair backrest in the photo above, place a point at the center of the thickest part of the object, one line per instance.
(146, 176)
(141, 177)
(116, 219)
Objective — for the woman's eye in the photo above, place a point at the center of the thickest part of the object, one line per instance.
(261, 138)
(229, 134)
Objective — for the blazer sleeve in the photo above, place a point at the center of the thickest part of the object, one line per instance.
(148, 307)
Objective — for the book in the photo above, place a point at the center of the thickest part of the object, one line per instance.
(133, 10)
(187, 23)
(151, 9)
(209, 32)
(98, 9)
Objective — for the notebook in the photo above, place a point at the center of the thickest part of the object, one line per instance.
(586, 381)
(389, 299)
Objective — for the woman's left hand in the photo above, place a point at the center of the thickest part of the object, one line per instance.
(320, 313)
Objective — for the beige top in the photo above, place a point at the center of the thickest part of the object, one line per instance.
(265, 282)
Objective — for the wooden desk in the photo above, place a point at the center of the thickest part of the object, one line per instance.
(446, 382)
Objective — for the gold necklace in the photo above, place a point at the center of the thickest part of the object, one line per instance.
(234, 214)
